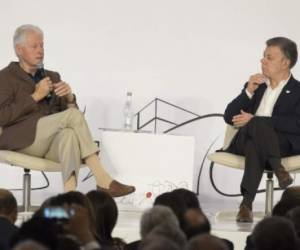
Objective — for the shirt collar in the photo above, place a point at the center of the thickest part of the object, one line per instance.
(281, 84)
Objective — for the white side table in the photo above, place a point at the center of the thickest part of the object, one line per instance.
(154, 163)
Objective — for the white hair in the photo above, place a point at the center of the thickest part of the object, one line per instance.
(22, 31)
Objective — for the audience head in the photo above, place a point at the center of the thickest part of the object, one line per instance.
(155, 242)
(155, 216)
(294, 216)
(196, 223)
(189, 197)
(8, 205)
(290, 199)
(274, 233)
(170, 232)
(39, 229)
(106, 213)
(206, 242)
(175, 202)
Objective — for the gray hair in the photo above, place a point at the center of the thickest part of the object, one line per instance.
(287, 46)
(155, 216)
(22, 31)
(206, 241)
(170, 232)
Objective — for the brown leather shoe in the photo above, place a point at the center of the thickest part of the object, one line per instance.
(244, 215)
(117, 189)
(284, 178)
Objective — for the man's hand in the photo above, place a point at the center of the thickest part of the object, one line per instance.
(63, 89)
(42, 89)
(241, 119)
(255, 81)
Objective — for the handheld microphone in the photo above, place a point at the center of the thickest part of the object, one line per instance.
(40, 67)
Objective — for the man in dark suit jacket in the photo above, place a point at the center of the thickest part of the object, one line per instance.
(8, 216)
(267, 113)
(39, 115)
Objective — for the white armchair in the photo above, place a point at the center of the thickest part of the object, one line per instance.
(291, 164)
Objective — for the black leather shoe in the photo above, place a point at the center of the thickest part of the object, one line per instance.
(117, 189)
(284, 178)
(244, 215)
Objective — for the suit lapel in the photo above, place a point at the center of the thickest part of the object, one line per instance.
(285, 93)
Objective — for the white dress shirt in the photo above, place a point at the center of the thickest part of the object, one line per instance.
(269, 98)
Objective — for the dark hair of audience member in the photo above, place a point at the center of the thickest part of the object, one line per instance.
(41, 230)
(175, 202)
(40, 211)
(156, 242)
(8, 205)
(294, 216)
(196, 223)
(189, 197)
(206, 242)
(106, 216)
(290, 199)
(274, 233)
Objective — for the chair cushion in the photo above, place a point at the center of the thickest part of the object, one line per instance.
(291, 163)
(227, 159)
(27, 161)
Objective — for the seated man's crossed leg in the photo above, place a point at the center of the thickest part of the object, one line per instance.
(263, 148)
(65, 138)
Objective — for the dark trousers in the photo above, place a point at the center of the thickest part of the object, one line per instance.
(263, 148)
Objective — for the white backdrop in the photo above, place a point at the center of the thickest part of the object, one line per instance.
(195, 54)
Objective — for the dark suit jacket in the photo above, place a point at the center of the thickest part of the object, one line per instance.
(286, 113)
(7, 230)
(19, 113)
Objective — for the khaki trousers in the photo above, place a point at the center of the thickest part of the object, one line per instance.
(65, 138)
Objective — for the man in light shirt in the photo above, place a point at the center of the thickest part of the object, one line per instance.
(267, 113)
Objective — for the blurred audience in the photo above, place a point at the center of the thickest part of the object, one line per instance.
(175, 202)
(155, 242)
(290, 198)
(8, 217)
(151, 219)
(206, 242)
(274, 233)
(294, 216)
(86, 222)
(189, 197)
(106, 216)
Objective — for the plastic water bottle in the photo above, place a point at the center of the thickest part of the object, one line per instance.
(128, 112)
